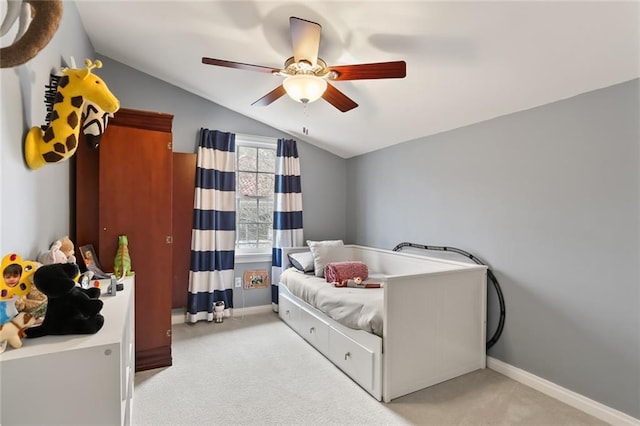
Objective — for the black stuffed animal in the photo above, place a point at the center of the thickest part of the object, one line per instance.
(70, 309)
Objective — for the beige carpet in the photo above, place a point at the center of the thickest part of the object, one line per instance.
(254, 370)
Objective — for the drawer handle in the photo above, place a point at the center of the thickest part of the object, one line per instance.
(311, 330)
(286, 312)
(347, 356)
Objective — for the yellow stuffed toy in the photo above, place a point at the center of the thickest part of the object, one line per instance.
(16, 274)
(60, 140)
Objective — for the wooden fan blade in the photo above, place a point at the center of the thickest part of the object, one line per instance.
(273, 95)
(338, 99)
(397, 69)
(305, 38)
(238, 65)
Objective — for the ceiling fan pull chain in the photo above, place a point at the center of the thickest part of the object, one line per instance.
(305, 112)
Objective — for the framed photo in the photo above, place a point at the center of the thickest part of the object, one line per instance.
(91, 262)
(258, 278)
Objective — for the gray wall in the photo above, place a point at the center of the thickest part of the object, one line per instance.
(549, 197)
(35, 205)
(323, 174)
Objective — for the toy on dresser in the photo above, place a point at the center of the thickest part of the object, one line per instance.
(122, 262)
(60, 251)
(12, 332)
(70, 308)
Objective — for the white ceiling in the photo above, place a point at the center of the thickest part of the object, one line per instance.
(466, 61)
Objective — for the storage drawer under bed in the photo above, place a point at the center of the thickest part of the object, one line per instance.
(288, 312)
(352, 358)
(314, 330)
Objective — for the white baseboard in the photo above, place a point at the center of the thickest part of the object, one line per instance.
(575, 400)
(261, 309)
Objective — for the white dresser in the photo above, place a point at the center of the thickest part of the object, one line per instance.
(74, 379)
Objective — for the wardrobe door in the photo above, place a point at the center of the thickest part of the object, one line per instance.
(184, 185)
(135, 193)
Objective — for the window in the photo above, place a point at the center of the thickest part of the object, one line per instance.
(255, 177)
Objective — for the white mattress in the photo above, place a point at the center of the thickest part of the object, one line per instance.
(357, 308)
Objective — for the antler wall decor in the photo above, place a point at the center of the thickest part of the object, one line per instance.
(31, 37)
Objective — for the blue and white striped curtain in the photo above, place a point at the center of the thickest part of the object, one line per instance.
(214, 226)
(287, 209)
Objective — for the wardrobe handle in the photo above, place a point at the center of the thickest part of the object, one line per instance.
(311, 330)
(347, 355)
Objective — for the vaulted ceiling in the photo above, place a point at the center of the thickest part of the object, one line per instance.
(466, 61)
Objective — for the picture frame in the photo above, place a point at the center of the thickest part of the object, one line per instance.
(91, 262)
(256, 278)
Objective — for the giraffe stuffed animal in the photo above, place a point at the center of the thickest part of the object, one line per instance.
(60, 140)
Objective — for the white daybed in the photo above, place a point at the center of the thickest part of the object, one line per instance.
(434, 322)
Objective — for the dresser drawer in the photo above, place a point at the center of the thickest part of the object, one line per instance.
(352, 358)
(288, 311)
(314, 330)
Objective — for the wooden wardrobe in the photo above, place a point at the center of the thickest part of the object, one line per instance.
(125, 188)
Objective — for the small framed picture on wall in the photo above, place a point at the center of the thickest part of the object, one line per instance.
(258, 278)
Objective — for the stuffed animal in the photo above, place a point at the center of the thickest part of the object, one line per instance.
(60, 251)
(70, 308)
(13, 331)
(34, 303)
(53, 255)
(68, 249)
(218, 311)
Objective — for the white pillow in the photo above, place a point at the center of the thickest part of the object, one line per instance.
(322, 254)
(302, 261)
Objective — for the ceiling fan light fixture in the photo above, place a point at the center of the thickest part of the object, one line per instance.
(305, 88)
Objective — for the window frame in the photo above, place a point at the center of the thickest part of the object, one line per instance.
(244, 255)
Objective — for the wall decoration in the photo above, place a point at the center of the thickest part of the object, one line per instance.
(95, 118)
(59, 141)
(32, 36)
(256, 279)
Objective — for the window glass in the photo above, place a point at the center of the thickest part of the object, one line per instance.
(255, 168)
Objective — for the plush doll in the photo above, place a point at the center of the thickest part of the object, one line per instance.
(68, 249)
(13, 331)
(60, 251)
(34, 303)
(54, 255)
(70, 308)
(218, 311)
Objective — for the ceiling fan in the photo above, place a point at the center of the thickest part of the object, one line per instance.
(308, 76)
